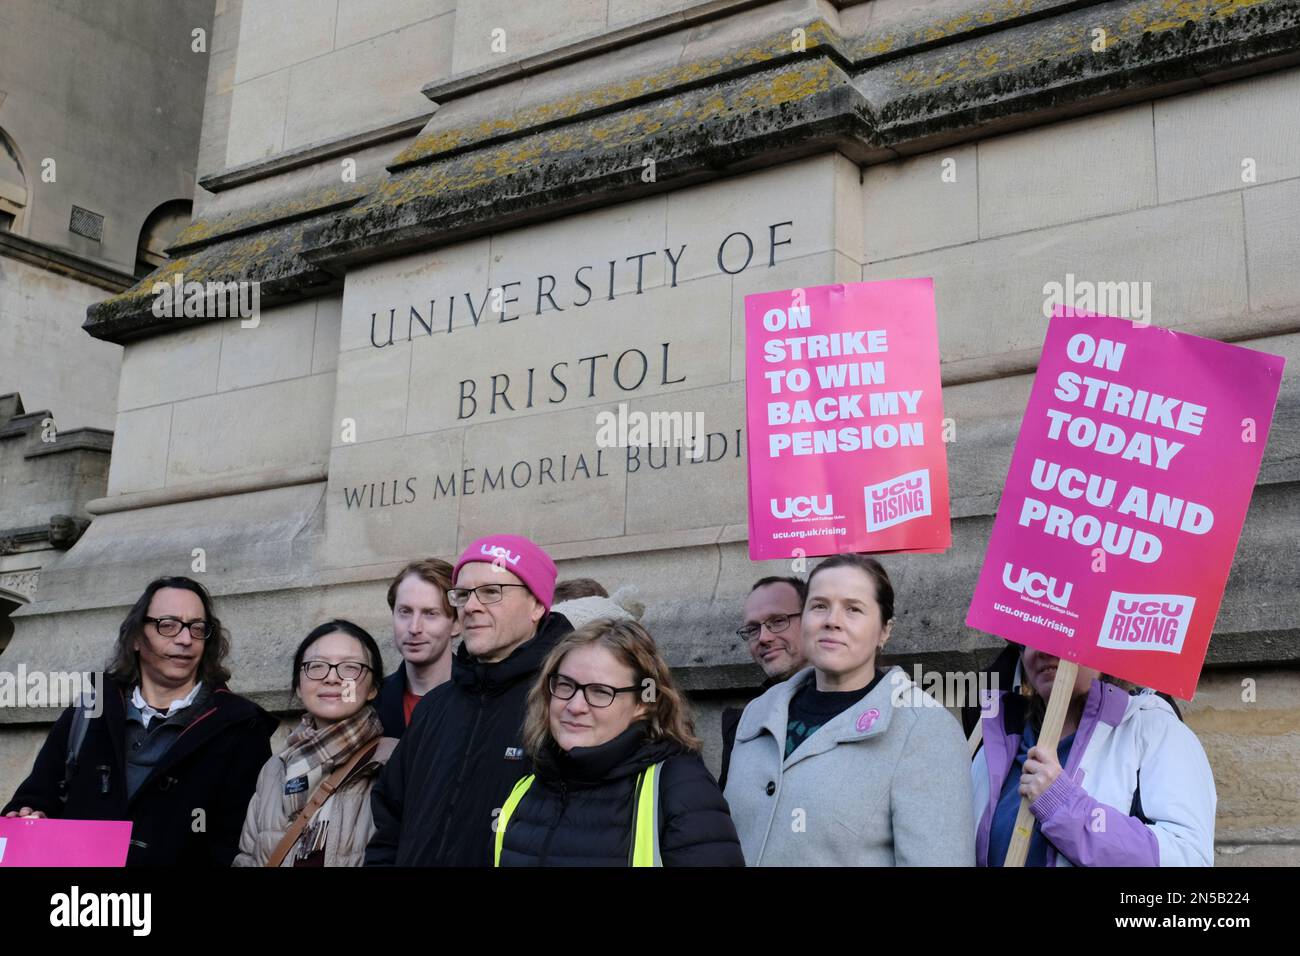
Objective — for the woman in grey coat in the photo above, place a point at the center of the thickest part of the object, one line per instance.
(845, 764)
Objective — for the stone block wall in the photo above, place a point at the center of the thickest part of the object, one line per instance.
(531, 166)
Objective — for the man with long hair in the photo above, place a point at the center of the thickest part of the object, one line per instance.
(171, 748)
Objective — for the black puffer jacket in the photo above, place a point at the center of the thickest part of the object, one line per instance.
(435, 802)
(578, 812)
(212, 766)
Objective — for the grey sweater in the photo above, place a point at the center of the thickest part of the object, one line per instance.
(146, 746)
(885, 783)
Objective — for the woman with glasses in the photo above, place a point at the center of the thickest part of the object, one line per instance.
(848, 763)
(618, 779)
(312, 805)
(162, 742)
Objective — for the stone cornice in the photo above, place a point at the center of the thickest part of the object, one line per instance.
(270, 255)
(313, 153)
(77, 439)
(793, 109)
(448, 185)
(22, 423)
(916, 33)
(64, 263)
(870, 98)
(911, 36)
(211, 488)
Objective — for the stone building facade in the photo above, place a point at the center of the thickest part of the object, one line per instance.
(100, 111)
(476, 224)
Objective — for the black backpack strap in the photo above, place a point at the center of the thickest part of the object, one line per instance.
(1172, 703)
(76, 737)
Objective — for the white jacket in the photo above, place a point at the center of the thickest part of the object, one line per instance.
(1125, 744)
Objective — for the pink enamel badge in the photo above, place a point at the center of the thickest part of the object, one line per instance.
(867, 719)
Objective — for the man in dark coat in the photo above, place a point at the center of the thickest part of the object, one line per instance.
(771, 630)
(169, 747)
(436, 801)
(423, 627)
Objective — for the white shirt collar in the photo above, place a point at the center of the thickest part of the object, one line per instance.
(149, 712)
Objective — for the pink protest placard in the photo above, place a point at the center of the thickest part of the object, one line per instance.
(1127, 492)
(845, 420)
(36, 841)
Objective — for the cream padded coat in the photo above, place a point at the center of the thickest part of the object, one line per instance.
(350, 822)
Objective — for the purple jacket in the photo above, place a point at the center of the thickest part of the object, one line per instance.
(1122, 740)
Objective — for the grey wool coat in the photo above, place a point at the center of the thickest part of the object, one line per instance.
(885, 783)
(351, 824)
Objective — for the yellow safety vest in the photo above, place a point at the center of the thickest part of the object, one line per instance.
(645, 817)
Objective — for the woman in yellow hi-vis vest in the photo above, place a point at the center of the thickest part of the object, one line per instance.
(618, 779)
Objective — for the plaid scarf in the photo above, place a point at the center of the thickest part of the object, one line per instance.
(310, 755)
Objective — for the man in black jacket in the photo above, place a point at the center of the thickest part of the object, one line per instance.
(171, 749)
(771, 630)
(436, 802)
(423, 627)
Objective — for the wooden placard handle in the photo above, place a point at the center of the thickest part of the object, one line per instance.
(1048, 737)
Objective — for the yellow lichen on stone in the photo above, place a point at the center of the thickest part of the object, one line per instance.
(1055, 45)
(202, 230)
(943, 29)
(816, 33)
(1179, 12)
(464, 173)
(793, 85)
(946, 28)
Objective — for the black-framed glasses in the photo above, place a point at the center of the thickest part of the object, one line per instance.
(319, 670)
(172, 626)
(775, 624)
(598, 695)
(487, 594)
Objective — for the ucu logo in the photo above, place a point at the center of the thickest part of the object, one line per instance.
(897, 499)
(1146, 622)
(1035, 584)
(881, 492)
(1149, 608)
(500, 553)
(801, 508)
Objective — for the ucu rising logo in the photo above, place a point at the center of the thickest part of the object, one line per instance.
(880, 492)
(897, 499)
(1035, 584)
(802, 508)
(1146, 622)
(503, 554)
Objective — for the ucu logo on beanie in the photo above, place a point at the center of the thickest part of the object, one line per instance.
(496, 551)
(517, 555)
